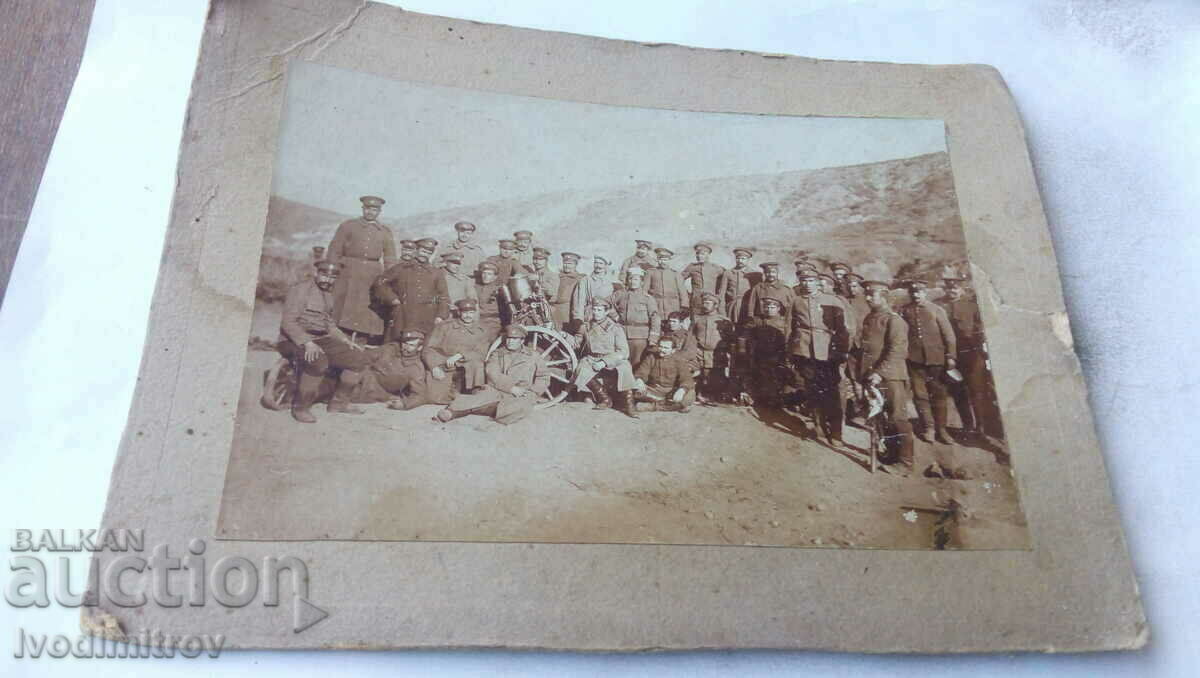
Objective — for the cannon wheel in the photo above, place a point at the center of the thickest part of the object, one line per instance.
(558, 351)
(279, 385)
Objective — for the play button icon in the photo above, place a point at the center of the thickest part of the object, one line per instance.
(305, 614)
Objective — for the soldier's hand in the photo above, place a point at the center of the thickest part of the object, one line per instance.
(454, 360)
(438, 373)
(312, 352)
(951, 363)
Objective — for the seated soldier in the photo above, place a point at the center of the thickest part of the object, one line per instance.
(678, 327)
(310, 338)
(664, 380)
(459, 344)
(603, 349)
(516, 377)
(398, 377)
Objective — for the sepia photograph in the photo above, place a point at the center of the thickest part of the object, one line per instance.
(483, 317)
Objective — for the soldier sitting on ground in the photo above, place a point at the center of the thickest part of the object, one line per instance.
(664, 380)
(516, 376)
(397, 376)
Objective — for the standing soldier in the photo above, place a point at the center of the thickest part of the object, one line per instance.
(472, 254)
(818, 343)
(771, 286)
(884, 341)
(603, 348)
(416, 292)
(714, 336)
(547, 278)
(458, 344)
(589, 288)
(408, 251)
(931, 351)
(643, 257)
(362, 248)
(506, 262)
(516, 377)
(567, 280)
(973, 396)
(490, 298)
(857, 309)
(829, 284)
(702, 275)
(840, 271)
(459, 285)
(767, 349)
(310, 338)
(666, 285)
(524, 244)
(736, 284)
(638, 313)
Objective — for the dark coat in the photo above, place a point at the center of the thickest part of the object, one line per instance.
(421, 292)
(931, 339)
(364, 250)
(735, 289)
(884, 340)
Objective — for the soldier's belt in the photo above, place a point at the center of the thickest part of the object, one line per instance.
(360, 258)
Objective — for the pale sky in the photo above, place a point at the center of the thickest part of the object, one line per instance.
(425, 147)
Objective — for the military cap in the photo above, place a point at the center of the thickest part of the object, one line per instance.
(710, 295)
(955, 278)
(837, 264)
(318, 251)
(871, 285)
(408, 244)
(411, 335)
(570, 255)
(743, 250)
(466, 305)
(855, 276)
(327, 265)
(807, 274)
(523, 235)
(464, 226)
(489, 266)
(664, 250)
(773, 300)
(805, 264)
(636, 270)
(508, 244)
(454, 257)
(598, 257)
(826, 276)
(372, 201)
(768, 264)
(647, 243)
(427, 243)
(541, 252)
(515, 331)
(703, 246)
(600, 301)
(914, 284)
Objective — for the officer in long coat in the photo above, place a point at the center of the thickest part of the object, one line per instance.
(638, 314)
(568, 278)
(416, 292)
(818, 343)
(735, 285)
(362, 248)
(516, 377)
(932, 349)
(883, 336)
(666, 284)
(702, 276)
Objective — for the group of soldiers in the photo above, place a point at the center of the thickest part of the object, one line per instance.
(408, 330)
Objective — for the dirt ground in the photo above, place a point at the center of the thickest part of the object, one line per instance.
(716, 475)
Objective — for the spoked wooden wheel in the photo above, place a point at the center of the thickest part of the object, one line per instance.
(279, 384)
(557, 351)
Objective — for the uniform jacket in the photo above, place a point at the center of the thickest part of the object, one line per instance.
(562, 299)
(421, 291)
(395, 372)
(489, 299)
(460, 286)
(930, 337)
(525, 257)
(604, 339)
(505, 267)
(819, 330)
(884, 339)
(701, 278)
(638, 313)
(522, 367)
(859, 310)
(968, 328)
(665, 374)
(686, 348)
(666, 285)
(472, 255)
(452, 337)
(775, 290)
(767, 340)
(734, 290)
(588, 288)
(307, 313)
(363, 249)
(646, 263)
(713, 331)
(548, 281)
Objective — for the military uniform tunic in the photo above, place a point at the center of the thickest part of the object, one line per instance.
(472, 255)
(506, 369)
(589, 287)
(604, 339)
(666, 285)
(364, 249)
(490, 307)
(664, 375)
(638, 313)
(454, 336)
(702, 277)
(974, 398)
(646, 263)
(931, 343)
(883, 336)
(421, 292)
(775, 290)
(505, 267)
(460, 286)
(562, 299)
(734, 291)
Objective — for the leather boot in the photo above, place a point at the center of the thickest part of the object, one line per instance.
(306, 395)
(603, 401)
(924, 419)
(628, 406)
(939, 421)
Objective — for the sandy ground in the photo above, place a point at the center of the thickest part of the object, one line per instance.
(717, 475)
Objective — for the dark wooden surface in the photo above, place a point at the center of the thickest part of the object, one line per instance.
(41, 45)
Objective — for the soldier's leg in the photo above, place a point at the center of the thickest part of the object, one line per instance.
(472, 373)
(511, 410)
(585, 374)
(896, 396)
(939, 398)
(308, 380)
(920, 393)
(637, 347)
(960, 393)
(830, 400)
(348, 381)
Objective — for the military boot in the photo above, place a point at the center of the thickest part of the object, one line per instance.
(939, 421)
(603, 401)
(306, 395)
(340, 402)
(628, 405)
